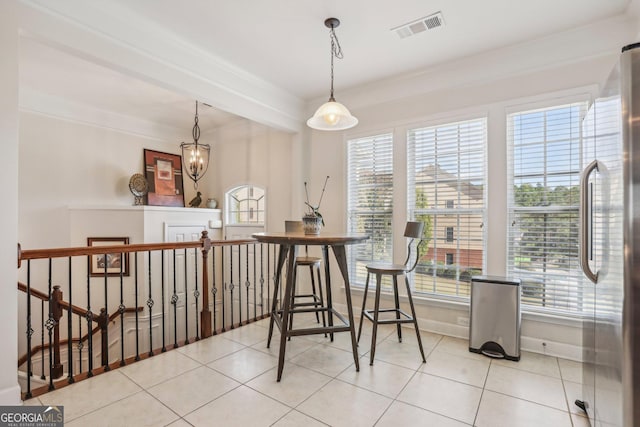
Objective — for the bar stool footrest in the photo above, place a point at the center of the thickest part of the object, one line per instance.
(405, 318)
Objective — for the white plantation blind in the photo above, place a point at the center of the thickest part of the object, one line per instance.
(370, 200)
(446, 180)
(545, 159)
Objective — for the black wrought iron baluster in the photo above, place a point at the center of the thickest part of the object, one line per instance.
(224, 289)
(162, 285)
(80, 345)
(136, 301)
(247, 283)
(150, 305)
(214, 290)
(196, 292)
(29, 332)
(69, 331)
(174, 303)
(262, 280)
(239, 285)
(121, 309)
(268, 275)
(231, 286)
(42, 375)
(186, 300)
(105, 331)
(50, 323)
(89, 317)
(255, 276)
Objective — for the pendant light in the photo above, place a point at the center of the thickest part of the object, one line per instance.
(195, 156)
(332, 115)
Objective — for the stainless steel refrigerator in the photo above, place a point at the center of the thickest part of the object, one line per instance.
(610, 248)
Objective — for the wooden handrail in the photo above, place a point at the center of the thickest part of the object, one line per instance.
(141, 247)
(36, 293)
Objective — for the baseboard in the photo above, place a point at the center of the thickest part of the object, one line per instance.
(11, 396)
(531, 344)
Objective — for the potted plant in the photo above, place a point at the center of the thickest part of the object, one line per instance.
(312, 220)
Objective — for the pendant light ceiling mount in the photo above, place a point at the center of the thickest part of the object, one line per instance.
(332, 115)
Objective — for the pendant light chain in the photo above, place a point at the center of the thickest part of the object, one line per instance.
(336, 51)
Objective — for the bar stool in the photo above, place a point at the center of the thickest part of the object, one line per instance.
(314, 299)
(413, 230)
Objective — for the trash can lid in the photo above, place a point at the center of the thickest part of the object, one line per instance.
(496, 279)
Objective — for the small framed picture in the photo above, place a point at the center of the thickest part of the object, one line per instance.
(109, 262)
(164, 175)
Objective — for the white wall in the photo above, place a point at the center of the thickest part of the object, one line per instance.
(9, 389)
(64, 163)
(248, 153)
(492, 99)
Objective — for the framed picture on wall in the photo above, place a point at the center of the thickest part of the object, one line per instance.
(112, 262)
(164, 175)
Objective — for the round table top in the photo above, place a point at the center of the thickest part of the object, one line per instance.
(322, 239)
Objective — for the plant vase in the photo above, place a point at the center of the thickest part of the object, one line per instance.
(311, 224)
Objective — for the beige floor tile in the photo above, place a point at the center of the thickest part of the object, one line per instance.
(580, 421)
(32, 402)
(458, 368)
(190, 390)
(294, 347)
(573, 391)
(528, 386)
(401, 414)
(297, 419)
(210, 349)
(296, 385)
(570, 370)
(247, 335)
(240, 407)
(86, 396)
(498, 410)
(533, 362)
(179, 423)
(442, 396)
(326, 360)
(383, 378)
(406, 353)
(138, 410)
(341, 404)
(160, 368)
(457, 346)
(245, 364)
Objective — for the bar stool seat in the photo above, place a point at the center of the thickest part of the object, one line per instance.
(379, 269)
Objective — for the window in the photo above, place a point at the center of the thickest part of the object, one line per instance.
(446, 163)
(449, 260)
(449, 234)
(245, 205)
(370, 200)
(544, 167)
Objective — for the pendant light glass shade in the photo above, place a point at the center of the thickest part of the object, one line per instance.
(332, 115)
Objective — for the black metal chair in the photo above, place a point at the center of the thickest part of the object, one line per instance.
(315, 298)
(413, 230)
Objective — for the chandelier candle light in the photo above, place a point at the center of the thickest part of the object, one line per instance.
(195, 156)
(332, 115)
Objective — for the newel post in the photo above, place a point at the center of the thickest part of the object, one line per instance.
(56, 311)
(205, 314)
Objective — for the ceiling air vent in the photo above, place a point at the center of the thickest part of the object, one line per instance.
(418, 26)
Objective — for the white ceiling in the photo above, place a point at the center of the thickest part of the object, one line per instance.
(286, 43)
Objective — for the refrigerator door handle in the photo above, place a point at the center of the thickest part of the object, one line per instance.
(584, 235)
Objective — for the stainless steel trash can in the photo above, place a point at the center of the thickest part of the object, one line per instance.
(494, 325)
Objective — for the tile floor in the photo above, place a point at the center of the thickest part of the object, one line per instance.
(230, 380)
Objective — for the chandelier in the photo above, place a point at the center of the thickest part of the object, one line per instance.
(195, 156)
